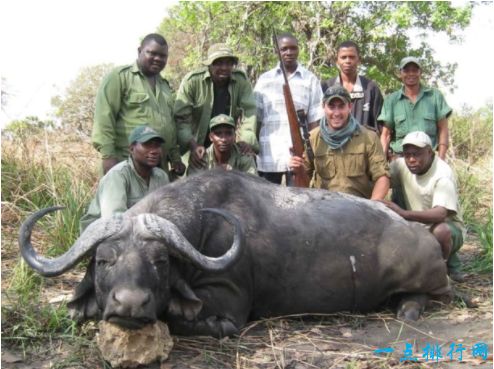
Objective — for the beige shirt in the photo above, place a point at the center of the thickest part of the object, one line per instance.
(436, 187)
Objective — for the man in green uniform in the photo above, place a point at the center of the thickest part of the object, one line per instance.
(348, 157)
(224, 152)
(129, 181)
(414, 108)
(130, 95)
(217, 88)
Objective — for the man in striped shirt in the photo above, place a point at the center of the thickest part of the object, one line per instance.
(274, 136)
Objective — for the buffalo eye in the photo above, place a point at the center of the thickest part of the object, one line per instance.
(106, 257)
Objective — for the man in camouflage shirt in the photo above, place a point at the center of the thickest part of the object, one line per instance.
(130, 95)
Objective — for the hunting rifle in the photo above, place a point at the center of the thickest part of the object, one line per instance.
(299, 178)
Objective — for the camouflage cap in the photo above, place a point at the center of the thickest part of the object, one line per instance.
(217, 51)
(143, 134)
(336, 92)
(409, 59)
(220, 120)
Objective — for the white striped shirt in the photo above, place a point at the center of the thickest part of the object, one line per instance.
(274, 138)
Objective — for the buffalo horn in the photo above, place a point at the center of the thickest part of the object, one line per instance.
(92, 236)
(165, 230)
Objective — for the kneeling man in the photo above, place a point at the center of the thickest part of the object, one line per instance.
(430, 195)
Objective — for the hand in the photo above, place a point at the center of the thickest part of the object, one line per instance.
(245, 148)
(108, 163)
(295, 163)
(391, 205)
(197, 156)
(179, 168)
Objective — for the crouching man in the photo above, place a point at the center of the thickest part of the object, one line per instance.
(129, 181)
(430, 195)
(224, 152)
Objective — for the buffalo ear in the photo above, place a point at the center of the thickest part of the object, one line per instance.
(83, 305)
(183, 301)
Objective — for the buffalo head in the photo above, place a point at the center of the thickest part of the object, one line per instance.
(131, 279)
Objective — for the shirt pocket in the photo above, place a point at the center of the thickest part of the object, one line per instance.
(401, 127)
(428, 124)
(354, 165)
(324, 166)
(137, 102)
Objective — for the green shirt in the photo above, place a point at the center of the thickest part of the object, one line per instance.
(119, 189)
(194, 104)
(352, 169)
(402, 116)
(237, 161)
(124, 101)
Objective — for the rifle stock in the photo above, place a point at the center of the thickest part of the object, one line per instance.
(300, 177)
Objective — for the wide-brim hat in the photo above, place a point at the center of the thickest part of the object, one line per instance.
(217, 51)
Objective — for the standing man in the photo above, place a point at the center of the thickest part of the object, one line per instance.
(367, 99)
(431, 196)
(224, 152)
(348, 157)
(217, 88)
(130, 95)
(274, 137)
(129, 181)
(414, 108)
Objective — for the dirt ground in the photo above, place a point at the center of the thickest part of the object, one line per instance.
(346, 341)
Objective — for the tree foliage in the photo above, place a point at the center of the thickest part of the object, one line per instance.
(382, 29)
(75, 108)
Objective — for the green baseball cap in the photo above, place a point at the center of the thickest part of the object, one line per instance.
(217, 51)
(143, 134)
(336, 92)
(408, 60)
(220, 120)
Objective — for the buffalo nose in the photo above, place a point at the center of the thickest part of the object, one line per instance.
(130, 301)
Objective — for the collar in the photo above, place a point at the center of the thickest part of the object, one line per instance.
(357, 87)
(423, 90)
(133, 168)
(135, 69)
(300, 70)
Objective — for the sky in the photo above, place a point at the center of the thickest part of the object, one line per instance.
(46, 43)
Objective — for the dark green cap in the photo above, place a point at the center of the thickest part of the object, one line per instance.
(221, 119)
(336, 92)
(143, 134)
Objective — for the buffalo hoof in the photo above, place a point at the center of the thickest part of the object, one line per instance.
(411, 307)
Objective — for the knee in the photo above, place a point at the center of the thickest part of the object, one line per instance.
(442, 233)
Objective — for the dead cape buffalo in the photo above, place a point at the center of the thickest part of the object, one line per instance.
(260, 250)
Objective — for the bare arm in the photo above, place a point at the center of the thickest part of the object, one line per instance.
(381, 188)
(442, 137)
(386, 139)
(435, 215)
